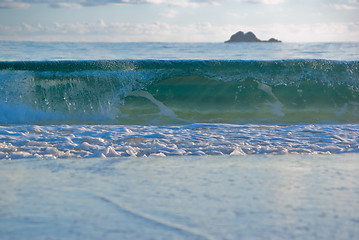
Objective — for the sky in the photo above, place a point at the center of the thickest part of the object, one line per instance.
(178, 20)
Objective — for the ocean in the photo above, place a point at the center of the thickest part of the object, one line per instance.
(85, 100)
(186, 140)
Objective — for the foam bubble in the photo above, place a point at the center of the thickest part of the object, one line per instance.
(89, 141)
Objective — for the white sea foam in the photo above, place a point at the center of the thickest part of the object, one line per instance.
(89, 141)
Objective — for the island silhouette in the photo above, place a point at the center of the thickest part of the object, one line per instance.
(247, 37)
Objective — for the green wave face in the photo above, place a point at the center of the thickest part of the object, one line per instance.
(175, 92)
(196, 99)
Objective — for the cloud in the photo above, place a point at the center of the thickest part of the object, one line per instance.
(169, 13)
(7, 4)
(268, 2)
(344, 7)
(317, 32)
(102, 31)
(117, 32)
(183, 3)
(87, 3)
(64, 5)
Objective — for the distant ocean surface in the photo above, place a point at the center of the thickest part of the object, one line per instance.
(86, 100)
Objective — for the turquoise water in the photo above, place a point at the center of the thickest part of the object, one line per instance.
(166, 90)
(183, 91)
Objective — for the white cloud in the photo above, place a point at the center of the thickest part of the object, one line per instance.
(178, 3)
(117, 32)
(164, 32)
(86, 3)
(344, 7)
(318, 32)
(65, 5)
(170, 13)
(12, 4)
(269, 2)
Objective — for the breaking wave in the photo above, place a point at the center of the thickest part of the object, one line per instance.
(156, 92)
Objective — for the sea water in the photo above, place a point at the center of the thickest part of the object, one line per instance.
(78, 100)
(215, 197)
(269, 108)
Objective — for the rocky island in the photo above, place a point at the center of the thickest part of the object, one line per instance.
(247, 37)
